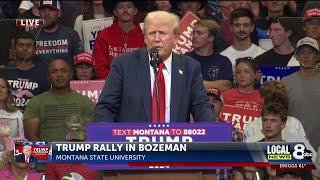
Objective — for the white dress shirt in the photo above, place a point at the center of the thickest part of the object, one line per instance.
(167, 80)
(26, 158)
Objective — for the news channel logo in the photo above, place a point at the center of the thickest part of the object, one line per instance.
(283, 152)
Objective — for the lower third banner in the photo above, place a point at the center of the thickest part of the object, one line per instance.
(143, 132)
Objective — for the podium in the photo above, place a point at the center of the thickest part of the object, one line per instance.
(108, 132)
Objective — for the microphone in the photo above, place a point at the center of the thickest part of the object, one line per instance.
(154, 62)
(154, 54)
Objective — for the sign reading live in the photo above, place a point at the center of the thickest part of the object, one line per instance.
(184, 44)
(34, 23)
(91, 29)
(239, 116)
(29, 24)
(92, 88)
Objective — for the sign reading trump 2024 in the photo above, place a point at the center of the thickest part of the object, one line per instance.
(159, 133)
(90, 31)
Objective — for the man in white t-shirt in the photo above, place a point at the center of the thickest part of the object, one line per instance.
(242, 24)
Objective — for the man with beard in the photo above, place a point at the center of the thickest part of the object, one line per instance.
(55, 41)
(26, 79)
(47, 114)
(124, 35)
(304, 87)
(241, 27)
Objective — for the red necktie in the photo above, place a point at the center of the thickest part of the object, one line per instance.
(162, 97)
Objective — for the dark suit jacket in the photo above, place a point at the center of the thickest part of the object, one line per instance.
(20, 158)
(126, 96)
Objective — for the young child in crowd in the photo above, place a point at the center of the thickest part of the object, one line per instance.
(243, 103)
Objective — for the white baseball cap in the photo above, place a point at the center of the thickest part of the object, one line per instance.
(308, 41)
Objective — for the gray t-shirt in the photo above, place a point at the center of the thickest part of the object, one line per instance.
(63, 44)
(304, 103)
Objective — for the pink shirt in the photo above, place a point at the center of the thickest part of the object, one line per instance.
(7, 174)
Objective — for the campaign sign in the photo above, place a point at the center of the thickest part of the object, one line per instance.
(91, 29)
(92, 88)
(276, 72)
(32, 152)
(147, 133)
(184, 44)
(240, 116)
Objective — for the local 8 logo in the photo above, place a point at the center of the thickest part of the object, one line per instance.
(300, 152)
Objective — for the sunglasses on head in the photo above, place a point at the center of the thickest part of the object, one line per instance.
(245, 59)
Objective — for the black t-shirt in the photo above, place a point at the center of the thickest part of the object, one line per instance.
(26, 84)
(271, 58)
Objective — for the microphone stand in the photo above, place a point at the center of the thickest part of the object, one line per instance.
(157, 91)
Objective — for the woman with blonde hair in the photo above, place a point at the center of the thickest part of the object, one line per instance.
(10, 117)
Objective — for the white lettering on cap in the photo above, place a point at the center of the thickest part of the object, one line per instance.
(47, 3)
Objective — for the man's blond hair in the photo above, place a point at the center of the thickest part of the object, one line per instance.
(165, 17)
(211, 25)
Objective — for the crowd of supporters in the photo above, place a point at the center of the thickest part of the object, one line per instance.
(231, 41)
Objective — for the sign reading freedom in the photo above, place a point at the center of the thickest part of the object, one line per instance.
(144, 132)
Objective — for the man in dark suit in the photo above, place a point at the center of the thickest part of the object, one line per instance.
(26, 155)
(129, 94)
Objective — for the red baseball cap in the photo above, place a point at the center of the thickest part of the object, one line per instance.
(214, 92)
(83, 58)
(311, 13)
